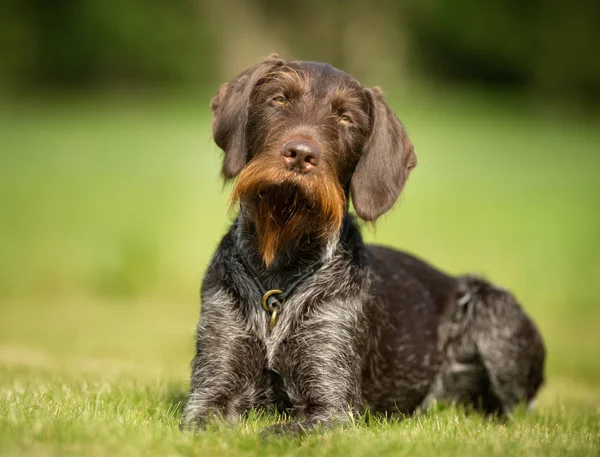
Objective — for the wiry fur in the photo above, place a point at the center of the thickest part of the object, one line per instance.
(283, 208)
(493, 354)
(373, 328)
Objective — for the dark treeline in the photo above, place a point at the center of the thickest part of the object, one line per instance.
(544, 46)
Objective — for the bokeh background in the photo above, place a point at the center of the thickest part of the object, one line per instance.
(111, 203)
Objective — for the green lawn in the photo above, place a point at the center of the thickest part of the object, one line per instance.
(110, 210)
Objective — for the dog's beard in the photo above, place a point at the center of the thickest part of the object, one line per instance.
(285, 207)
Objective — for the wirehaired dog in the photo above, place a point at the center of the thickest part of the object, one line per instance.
(297, 312)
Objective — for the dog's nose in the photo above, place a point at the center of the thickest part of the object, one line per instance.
(301, 155)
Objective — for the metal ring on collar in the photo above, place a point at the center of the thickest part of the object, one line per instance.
(274, 317)
(266, 296)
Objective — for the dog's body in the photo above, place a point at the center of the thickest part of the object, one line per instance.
(367, 326)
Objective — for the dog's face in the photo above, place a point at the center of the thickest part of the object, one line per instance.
(303, 137)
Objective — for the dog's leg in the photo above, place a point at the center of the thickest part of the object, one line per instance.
(320, 365)
(228, 375)
(493, 337)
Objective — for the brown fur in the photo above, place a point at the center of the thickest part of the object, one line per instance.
(277, 101)
(357, 326)
(284, 207)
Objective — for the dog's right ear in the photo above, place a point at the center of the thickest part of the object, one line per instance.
(230, 115)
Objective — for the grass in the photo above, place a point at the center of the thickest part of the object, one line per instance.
(112, 208)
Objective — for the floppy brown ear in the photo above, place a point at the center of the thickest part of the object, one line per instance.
(230, 114)
(386, 161)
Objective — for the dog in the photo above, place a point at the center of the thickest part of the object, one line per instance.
(300, 315)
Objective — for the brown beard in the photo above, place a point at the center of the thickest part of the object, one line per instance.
(284, 206)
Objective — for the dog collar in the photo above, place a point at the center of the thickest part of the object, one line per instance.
(273, 299)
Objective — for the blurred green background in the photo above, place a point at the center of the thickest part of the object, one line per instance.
(110, 197)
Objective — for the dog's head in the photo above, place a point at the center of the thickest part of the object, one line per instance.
(304, 137)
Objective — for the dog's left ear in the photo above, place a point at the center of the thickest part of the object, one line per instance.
(230, 114)
(387, 159)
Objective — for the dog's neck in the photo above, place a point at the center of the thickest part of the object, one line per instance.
(309, 250)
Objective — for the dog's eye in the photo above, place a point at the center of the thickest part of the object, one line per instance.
(279, 100)
(346, 119)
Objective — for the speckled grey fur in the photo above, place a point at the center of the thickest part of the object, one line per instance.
(342, 346)
(374, 328)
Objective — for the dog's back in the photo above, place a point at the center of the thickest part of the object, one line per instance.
(401, 266)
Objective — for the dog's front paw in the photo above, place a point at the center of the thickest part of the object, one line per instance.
(286, 429)
(197, 419)
(194, 422)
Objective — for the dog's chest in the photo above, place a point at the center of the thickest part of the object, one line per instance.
(308, 325)
(322, 314)
(276, 333)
